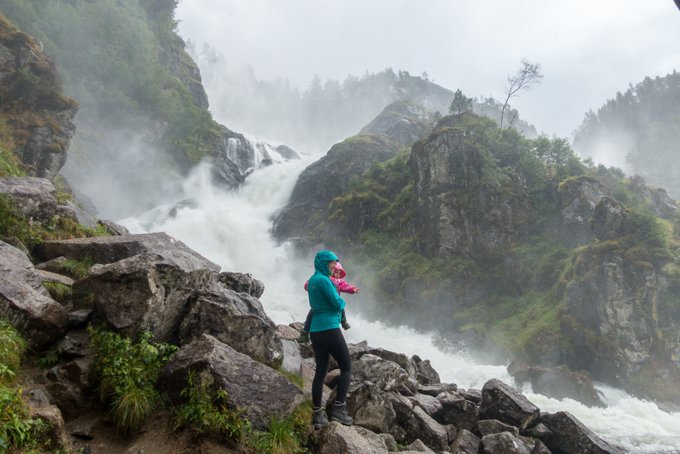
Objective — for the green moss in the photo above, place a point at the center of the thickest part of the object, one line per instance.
(60, 292)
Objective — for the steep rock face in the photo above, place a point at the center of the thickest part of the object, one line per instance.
(174, 57)
(579, 196)
(612, 310)
(398, 126)
(327, 178)
(32, 105)
(459, 208)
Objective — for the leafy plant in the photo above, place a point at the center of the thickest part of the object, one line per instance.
(287, 435)
(126, 373)
(17, 428)
(207, 412)
(12, 346)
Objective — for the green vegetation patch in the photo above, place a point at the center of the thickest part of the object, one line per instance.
(17, 429)
(125, 373)
(207, 411)
(289, 435)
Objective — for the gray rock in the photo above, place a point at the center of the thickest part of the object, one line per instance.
(579, 197)
(608, 220)
(336, 438)
(372, 408)
(386, 375)
(431, 405)
(570, 435)
(502, 402)
(436, 389)
(506, 443)
(104, 250)
(242, 283)
(76, 344)
(292, 359)
(418, 446)
(35, 198)
(246, 381)
(54, 429)
(404, 361)
(473, 395)
(25, 302)
(48, 276)
(458, 411)
(145, 292)
(238, 320)
(465, 443)
(493, 426)
(419, 425)
(425, 373)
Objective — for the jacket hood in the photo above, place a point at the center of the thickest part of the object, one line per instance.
(340, 270)
(321, 261)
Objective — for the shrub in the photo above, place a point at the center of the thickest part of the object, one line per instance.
(126, 373)
(207, 412)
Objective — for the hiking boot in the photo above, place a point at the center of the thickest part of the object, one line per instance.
(345, 325)
(339, 414)
(319, 418)
(304, 338)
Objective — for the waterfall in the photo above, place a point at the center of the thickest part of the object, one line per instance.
(232, 229)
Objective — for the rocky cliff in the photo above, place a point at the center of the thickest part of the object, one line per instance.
(35, 117)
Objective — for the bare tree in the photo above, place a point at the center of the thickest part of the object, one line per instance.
(526, 77)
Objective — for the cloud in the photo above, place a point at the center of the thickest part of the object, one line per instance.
(588, 50)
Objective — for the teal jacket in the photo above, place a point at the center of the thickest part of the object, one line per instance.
(324, 299)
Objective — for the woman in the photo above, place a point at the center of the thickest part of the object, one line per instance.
(327, 340)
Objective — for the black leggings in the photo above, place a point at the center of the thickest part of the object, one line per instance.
(326, 344)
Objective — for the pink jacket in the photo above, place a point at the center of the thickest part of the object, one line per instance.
(340, 284)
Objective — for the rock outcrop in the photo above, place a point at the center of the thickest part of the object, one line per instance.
(33, 106)
(26, 303)
(397, 127)
(459, 210)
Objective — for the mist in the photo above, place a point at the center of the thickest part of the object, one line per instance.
(587, 50)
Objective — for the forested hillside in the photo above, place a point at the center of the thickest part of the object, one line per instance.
(642, 126)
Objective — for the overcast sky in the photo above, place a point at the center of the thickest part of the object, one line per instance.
(588, 49)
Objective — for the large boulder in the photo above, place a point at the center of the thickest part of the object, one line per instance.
(458, 411)
(608, 221)
(570, 435)
(336, 438)
(25, 302)
(260, 391)
(386, 375)
(502, 402)
(371, 408)
(111, 249)
(237, 319)
(145, 292)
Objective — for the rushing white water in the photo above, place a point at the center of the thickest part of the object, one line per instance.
(232, 229)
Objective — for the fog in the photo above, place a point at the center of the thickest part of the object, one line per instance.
(588, 50)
